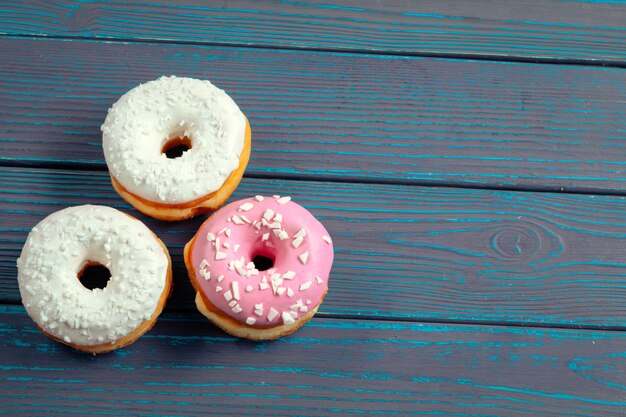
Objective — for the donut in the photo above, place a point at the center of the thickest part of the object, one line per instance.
(174, 112)
(260, 267)
(56, 252)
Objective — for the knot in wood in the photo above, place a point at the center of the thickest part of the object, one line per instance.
(516, 243)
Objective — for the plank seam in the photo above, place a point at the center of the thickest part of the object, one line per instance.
(354, 51)
(97, 167)
(421, 320)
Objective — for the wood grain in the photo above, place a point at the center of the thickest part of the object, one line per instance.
(535, 29)
(184, 366)
(400, 252)
(344, 117)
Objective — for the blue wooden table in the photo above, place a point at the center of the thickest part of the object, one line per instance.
(467, 157)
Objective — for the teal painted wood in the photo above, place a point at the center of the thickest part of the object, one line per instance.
(401, 252)
(184, 366)
(338, 116)
(588, 31)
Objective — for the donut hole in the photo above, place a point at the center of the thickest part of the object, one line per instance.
(176, 146)
(263, 261)
(94, 275)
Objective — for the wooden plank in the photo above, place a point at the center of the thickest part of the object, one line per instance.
(184, 366)
(339, 116)
(538, 29)
(401, 252)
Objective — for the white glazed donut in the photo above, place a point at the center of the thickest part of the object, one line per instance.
(141, 124)
(98, 320)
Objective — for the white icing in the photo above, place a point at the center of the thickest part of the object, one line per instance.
(146, 117)
(58, 248)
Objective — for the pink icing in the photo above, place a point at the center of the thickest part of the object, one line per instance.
(274, 227)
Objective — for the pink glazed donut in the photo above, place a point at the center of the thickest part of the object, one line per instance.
(260, 267)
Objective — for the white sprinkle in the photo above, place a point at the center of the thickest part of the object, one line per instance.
(272, 314)
(283, 200)
(278, 217)
(283, 235)
(258, 197)
(226, 245)
(258, 226)
(67, 339)
(249, 288)
(270, 244)
(237, 309)
(227, 232)
(222, 231)
(303, 257)
(263, 286)
(217, 243)
(271, 271)
(250, 321)
(308, 302)
(265, 237)
(220, 255)
(274, 225)
(301, 233)
(210, 237)
(204, 263)
(297, 241)
(232, 303)
(228, 295)
(220, 278)
(304, 309)
(269, 213)
(319, 280)
(240, 270)
(235, 286)
(218, 289)
(237, 219)
(280, 290)
(289, 292)
(276, 196)
(236, 248)
(250, 265)
(246, 206)
(288, 275)
(287, 318)
(245, 219)
(305, 286)
(206, 274)
(327, 239)
(258, 309)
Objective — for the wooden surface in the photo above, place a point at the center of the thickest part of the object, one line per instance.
(338, 116)
(330, 367)
(467, 158)
(414, 253)
(569, 30)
